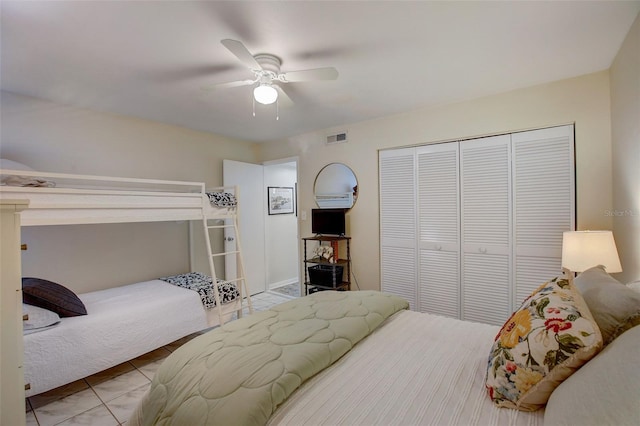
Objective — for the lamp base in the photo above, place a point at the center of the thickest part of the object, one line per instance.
(569, 274)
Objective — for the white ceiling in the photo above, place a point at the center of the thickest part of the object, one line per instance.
(152, 59)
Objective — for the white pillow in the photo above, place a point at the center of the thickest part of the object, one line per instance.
(614, 306)
(18, 180)
(604, 391)
(39, 319)
(635, 285)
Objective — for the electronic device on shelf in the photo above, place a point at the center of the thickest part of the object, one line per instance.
(328, 221)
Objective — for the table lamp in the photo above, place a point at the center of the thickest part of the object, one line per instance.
(582, 250)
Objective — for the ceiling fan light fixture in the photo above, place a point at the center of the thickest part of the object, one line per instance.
(265, 94)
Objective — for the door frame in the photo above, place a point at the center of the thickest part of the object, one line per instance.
(296, 160)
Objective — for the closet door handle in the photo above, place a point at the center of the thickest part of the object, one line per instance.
(229, 239)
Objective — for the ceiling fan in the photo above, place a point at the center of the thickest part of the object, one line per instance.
(267, 75)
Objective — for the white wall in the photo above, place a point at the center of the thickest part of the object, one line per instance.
(583, 100)
(59, 138)
(281, 231)
(625, 132)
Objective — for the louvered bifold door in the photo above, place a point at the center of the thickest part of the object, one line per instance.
(544, 204)
(398, 263)
(486, 229)
(438, 229)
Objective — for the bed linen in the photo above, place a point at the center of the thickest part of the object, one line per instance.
(222, 199)
(239, 373)
(121, 323)
(415, 369)
(203, 285)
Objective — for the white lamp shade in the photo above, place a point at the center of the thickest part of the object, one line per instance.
(265, 94)
(582, 250)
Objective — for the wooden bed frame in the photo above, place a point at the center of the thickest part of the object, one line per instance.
(82, 199)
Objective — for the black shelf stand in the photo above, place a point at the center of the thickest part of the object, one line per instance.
(344, 283)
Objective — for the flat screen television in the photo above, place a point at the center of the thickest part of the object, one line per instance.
(328, 221)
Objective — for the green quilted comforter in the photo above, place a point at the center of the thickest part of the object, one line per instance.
(240, 373)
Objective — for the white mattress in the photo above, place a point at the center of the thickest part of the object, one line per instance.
(416, 369)
(122, 323)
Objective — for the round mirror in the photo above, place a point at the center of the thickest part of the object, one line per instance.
(336, 186)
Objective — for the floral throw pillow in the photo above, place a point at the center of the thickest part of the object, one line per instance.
(543, 343)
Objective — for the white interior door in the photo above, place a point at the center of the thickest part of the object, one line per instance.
(485, 170)
(543, 204)
(438, 233)
(398, 269)
(250, 181)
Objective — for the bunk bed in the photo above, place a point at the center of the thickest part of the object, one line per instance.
(119, 319)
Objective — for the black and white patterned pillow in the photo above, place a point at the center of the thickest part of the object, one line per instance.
(222, 199)
(203, 284)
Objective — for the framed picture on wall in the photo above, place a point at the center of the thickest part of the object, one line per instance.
(280, 200)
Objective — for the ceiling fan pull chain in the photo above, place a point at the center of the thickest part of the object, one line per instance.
(254, 106)
(277, 110)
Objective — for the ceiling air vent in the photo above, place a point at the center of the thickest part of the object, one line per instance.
(337, 138)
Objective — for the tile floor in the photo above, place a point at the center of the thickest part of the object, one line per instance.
(292, 290)
(108, 398)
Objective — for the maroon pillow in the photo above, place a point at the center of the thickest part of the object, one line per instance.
(54, 297)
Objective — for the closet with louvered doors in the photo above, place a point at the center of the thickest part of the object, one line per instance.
(398, 262)
(485, 227)
(438, 213)
(488, 216)
(544, 204)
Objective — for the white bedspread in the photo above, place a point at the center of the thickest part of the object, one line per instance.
(122, 323)
(416, 369)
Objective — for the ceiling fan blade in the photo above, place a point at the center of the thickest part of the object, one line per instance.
(283, 99)
(328, 73)
(230, 84)
(237, 48)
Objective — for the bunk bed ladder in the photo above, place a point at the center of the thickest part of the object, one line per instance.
(240, 280)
